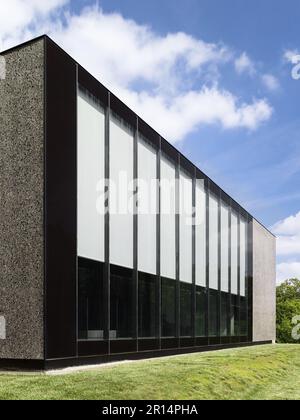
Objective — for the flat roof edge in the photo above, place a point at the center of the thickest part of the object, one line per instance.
(24, 44)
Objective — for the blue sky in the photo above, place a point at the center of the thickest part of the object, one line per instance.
(251, 166)
(211, 52)
(261, 169)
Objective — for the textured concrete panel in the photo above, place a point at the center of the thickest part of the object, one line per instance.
(21, 202)
(264, 284)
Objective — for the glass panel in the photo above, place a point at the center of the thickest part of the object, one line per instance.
(243, 257)
(168, 307)
(91, 175)
(186, 222)
(224, 247)
(122, 303)
(90, 300)
(213, 313)
(200, 233)
(235, 316)
(244, 317)
(200, 311)
(213, 242)
(121, 193)
(147, 305)
(185, 310)
(168, 211)
(147, 207)
(234, 254)
(225, 314)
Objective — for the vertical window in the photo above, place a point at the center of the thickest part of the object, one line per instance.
(243, 279)
(235, 316)
(91, 128)
(90, 300)
(121, 193)
(186, 223)
(213, 242)
(200, 259)
(225, 314)
(200, 227)
(147, 207)
(122, 303)
(168, 211)
(235, 313)
(200, 311)
(185, 246)
(147, 305)
(224, 248)
(185, 309)
(244, 317)
(243, 257)
(168, 307)
(213, 313)
(234, 254)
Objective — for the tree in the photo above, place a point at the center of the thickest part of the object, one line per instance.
(290, 289)
(288, 306)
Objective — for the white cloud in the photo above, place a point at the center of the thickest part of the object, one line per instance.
(288, 246)
(288, 270)
(270, 82)
(288, 232)
(288, 226)
(243, 64)
(123, 52)
(166, 79)
(168, 63)
(177, 118)
(292, 56)
(16, 15)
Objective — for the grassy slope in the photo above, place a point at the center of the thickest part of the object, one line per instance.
(265, 372)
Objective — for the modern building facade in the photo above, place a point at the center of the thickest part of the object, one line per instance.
(112, 244)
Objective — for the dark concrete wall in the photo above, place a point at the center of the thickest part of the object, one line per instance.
(21, 202)
(264, 284)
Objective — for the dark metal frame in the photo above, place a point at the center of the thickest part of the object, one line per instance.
(60, 203)
(112, 103)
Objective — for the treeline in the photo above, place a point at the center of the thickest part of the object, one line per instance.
(288, 312)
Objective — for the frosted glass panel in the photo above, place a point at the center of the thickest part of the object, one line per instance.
(200, 233)
(147, 207)
(168, 210)
(242, 258)
(121, 194)
(224, 247)
(91, 126)
(213, 242)
(234, 254)
(186, 222)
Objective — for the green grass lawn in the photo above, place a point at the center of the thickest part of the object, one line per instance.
(263, 372)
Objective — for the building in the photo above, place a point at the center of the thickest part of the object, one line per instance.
(80, 284)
